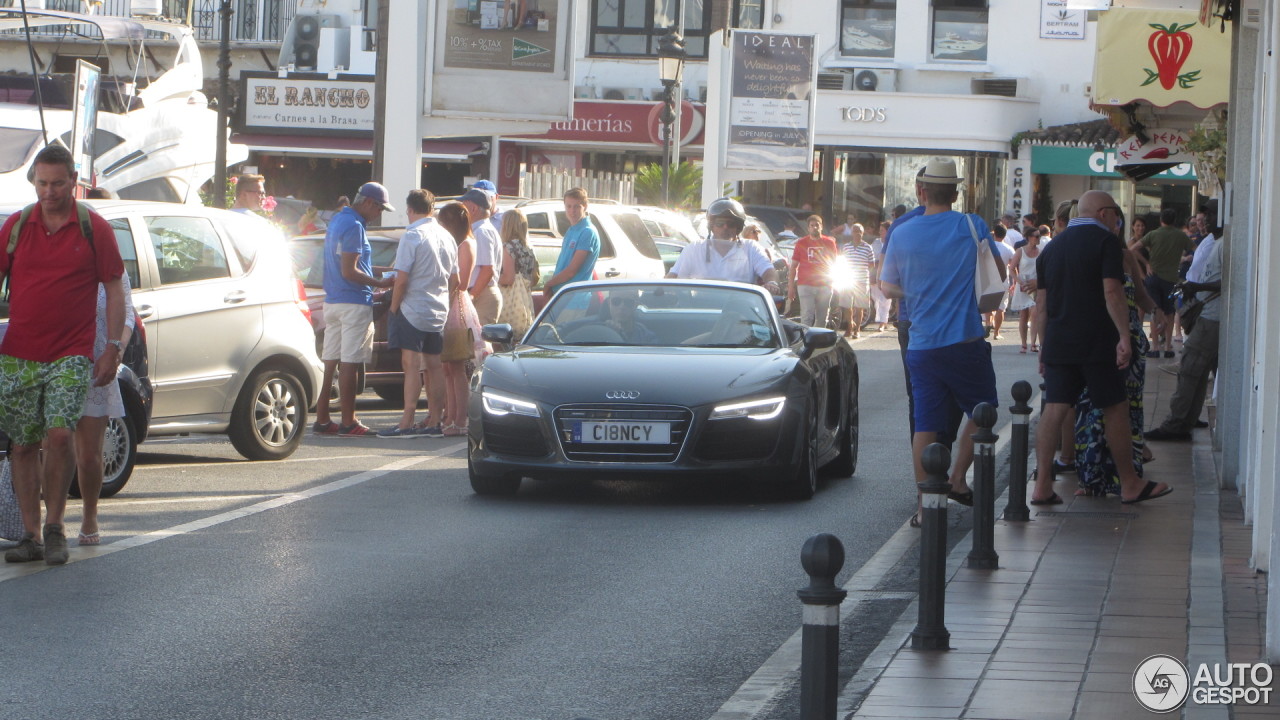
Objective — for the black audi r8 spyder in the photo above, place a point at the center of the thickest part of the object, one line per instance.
(668, 378)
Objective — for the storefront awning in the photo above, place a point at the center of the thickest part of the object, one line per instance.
(1160, 58)
(325, 146)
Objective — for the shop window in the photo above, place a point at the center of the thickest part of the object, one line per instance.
(749, 14)
(868, 27)
(960, 30)
(632, 27)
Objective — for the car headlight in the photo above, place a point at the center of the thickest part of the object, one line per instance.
(766, 409)
(497, 404)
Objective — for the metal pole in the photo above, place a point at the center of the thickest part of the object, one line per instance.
(224, 102)
(931, 628)
(983, 555)
(822, 558)
(1019, 447)
(668, 116)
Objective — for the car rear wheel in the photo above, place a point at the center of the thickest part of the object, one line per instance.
(269, 416)
(500, 485)
(119, 452)
(393, 394)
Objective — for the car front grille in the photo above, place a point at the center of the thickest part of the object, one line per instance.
(514, 435)
(567, 416)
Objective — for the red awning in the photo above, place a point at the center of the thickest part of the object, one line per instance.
(328, 146)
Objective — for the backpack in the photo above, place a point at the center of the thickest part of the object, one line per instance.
(86, 228)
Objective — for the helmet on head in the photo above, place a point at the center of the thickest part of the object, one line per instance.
(729, 209)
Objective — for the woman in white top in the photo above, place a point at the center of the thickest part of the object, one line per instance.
(1023, 265)
(100, 405)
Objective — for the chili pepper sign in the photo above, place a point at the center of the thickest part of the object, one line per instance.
(1161, 57)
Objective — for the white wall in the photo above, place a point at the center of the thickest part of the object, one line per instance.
(1056, 71)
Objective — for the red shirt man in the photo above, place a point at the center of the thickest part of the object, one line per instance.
(811, 263)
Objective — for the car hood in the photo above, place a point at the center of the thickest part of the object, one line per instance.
(688, 377)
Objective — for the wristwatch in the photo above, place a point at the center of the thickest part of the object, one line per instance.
(119, 345)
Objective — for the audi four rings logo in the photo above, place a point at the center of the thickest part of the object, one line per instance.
(622, 394)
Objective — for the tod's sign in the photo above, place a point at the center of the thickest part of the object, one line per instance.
(863, 114)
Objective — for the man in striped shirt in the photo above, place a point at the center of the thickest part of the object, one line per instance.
(860, 258)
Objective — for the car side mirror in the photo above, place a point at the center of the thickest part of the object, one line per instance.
(500, 334)
(817, 339)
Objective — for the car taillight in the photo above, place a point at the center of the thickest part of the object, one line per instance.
(300, 293)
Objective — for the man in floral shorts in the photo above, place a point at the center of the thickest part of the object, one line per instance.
(61, 253)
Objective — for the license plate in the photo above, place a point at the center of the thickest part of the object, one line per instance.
(622, 433)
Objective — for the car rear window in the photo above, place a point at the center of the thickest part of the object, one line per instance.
(247, 233)
(633, 226)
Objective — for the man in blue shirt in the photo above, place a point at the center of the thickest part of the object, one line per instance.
(348, 305)
(931, 263)
(581, 245)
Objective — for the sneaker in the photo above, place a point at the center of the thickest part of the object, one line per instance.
(431, 432)
(55, 545)
(26, 551)
(1169, 354)
(397, 432)
(325, 428)
(356, 430)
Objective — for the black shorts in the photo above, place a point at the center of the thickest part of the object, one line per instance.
(1161, 291)
(1105, 382)
(403, 335)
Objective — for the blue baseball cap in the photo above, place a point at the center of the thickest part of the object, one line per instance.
(486, 186)
(376, 192)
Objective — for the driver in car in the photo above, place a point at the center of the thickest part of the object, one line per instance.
(724, 255)
(622, 317)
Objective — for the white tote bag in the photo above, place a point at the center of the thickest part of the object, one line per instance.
(988, 287)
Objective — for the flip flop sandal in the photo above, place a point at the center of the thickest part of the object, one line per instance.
(89, 539)
(1053, 499)
(1148, 493)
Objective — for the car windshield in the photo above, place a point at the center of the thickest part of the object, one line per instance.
(657, 315)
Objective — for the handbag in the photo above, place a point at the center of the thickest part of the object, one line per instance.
(459, 340)
(11, 527)
(988, 287)
(1190, 311)
(517, 306)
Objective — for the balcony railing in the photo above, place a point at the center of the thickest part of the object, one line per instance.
(260, 21)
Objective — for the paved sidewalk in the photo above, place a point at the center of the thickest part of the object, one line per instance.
(1085, 592)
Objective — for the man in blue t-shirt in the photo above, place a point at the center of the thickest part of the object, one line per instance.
(581, 245)
(348, 305)
(930, 262)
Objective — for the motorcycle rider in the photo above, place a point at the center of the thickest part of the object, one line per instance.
(724, 254)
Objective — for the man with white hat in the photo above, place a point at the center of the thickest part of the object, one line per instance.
(931, 263)
(348, 305)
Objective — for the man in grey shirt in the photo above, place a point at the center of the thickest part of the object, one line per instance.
(426, 279)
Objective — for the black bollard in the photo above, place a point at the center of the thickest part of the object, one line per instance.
(983, 555)
(822, 558)
(931, 628)
(1019, 447)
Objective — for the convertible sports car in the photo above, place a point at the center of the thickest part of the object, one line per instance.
(665, 378)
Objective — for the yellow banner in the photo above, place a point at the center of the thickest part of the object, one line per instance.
(1161, 57)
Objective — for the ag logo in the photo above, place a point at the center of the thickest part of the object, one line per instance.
(1161, 683)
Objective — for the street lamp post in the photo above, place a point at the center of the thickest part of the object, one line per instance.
(224, 106)
(670, 70)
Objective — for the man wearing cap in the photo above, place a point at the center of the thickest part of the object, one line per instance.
(724, 255)
(581, 245)
(931, 263)
(348, 305)
(495, 215)
(483, 284)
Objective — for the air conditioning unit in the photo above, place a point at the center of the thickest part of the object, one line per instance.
(1004, 87)
(860, 79)
(306, 38)
(616, 93)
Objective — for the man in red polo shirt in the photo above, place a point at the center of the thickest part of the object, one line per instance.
(53, 271)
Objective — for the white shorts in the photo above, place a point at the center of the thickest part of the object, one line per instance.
(348, 333)
(104, 401)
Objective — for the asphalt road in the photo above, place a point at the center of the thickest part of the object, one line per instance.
(361, 578)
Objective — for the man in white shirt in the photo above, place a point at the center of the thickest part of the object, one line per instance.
(426, 278)
(483, 284)
(724, 255)
(1013, 236)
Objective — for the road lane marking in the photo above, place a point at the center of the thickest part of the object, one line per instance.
(766, 686)
(79, 554)
(444, 449)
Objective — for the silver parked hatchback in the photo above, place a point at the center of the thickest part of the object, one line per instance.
(230, 343)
